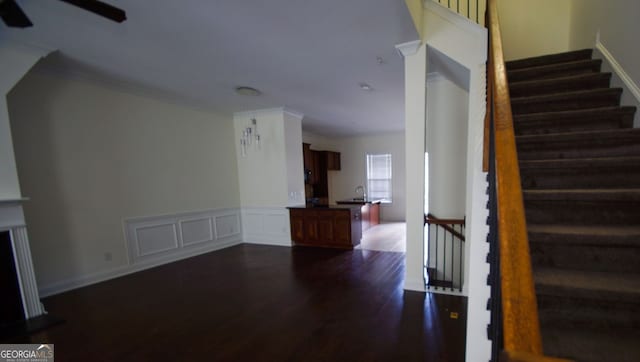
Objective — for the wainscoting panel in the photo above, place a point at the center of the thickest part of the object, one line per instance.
(227, 225)
(266, 226)
(194, 231)
(170, 237)
(156, 239)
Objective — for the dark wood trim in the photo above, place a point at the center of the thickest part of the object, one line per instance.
(521, 329)
(527, 357)
(445, 224)
(431, 219)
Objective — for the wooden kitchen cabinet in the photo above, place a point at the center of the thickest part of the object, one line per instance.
(316, 165)
(336, 227)
(370, 211)
(333, 160)
(309, 166)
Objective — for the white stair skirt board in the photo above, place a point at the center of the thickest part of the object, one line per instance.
(631, 88)
(156, 240)
(618, 69)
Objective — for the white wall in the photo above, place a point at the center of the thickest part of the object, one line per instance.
(447, 115)
(616, 22)
(90, 156)
(354, 169)
(532, 28)
(269, 176)
(15, 62)
(272, 178)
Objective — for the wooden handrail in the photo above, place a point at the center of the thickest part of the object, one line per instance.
(521, 329)
(430, 218)
(444, 223)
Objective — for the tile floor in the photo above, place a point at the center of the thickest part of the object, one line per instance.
(385, 237)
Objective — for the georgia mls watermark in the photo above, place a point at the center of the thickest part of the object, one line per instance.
(26, 352)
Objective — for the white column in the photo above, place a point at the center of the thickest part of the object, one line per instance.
(415, 64)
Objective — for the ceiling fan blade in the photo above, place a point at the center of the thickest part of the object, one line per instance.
(13, 16)
(100, 8)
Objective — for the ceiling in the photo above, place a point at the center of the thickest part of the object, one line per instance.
(309, 56)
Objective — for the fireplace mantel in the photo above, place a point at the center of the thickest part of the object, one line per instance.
(11, 214)
(12, 219)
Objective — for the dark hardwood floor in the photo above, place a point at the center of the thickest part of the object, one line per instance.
(260, 303)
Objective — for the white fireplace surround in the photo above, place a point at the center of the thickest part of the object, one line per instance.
(12, 220)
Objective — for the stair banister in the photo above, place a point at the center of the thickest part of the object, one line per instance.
(520, 325)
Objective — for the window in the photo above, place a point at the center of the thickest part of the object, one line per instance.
(379, 177)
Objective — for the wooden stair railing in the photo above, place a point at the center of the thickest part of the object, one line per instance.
(444, 223)
(445, 253)
(520, 326)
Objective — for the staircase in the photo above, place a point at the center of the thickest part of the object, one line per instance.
(580, 167)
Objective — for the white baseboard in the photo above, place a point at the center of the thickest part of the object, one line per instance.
(630, 84)
(415, 285)
(85, 280)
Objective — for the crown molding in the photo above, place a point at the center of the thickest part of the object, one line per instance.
(293, 113)
(408, 48)
(276, 111)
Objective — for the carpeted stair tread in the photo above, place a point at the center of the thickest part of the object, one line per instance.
(579, 159)
(619, 195)
(582, 206)
(582, 163)
(549, 59)
(625, 235)
(583, 144)
(602, 286)
(555, 70)
(574, 120)
(560, 84)
(565, 101)
(602, 248)
(597, 173)
(592, 344)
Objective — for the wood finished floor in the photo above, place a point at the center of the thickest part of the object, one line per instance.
(260, 303)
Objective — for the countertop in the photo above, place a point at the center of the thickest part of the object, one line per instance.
(325, 207)
(358, 201)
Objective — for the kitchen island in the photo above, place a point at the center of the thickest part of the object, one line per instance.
(369, 208)
(334, 226)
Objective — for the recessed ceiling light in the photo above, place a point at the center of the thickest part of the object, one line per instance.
(247, 91)
(365, 87)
